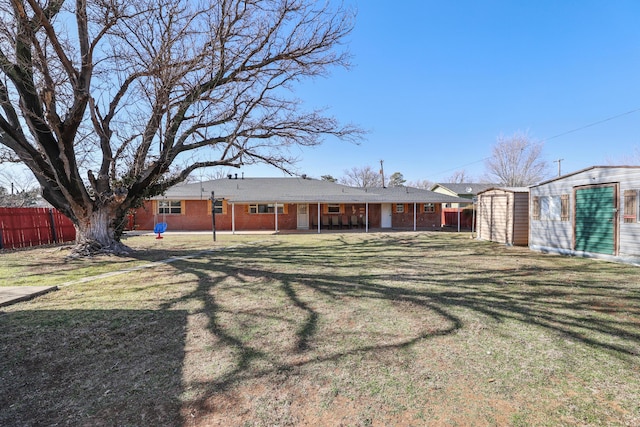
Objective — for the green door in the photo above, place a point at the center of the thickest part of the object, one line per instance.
(595, 220)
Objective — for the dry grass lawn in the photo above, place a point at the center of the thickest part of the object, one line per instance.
(356, 329)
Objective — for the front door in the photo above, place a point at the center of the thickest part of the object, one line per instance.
(385, 212)
(303, 216)
(595, 219)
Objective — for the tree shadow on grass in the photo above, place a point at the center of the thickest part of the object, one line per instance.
(564, 297)
(91, 367)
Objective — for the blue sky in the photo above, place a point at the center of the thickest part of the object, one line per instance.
(436, 82)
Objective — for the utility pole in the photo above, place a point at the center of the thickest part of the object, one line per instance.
(382, 171)
(559, 161)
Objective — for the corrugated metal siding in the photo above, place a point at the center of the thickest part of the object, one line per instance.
(495, 216)
(501, 216)
(484, 217)
(521, 219)
(594, 219)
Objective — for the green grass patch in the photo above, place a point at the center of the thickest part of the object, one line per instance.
(333, 329)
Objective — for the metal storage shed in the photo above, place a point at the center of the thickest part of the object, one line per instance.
(503, 215)
(592, 212)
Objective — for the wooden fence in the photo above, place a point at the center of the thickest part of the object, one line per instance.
(23, 227)
(450, 216)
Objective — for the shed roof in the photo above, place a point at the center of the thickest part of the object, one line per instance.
(509, 189)
(585, 170)
(300, 190)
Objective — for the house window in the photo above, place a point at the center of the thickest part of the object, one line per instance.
(564, 207)
(266, 208)
(333, 209)
(429, 207)
(630, 206)
(217, 206)
(399, 208)
(169, 207)
(535, 208)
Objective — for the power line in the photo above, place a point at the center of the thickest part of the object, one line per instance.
(591, 124)
(549, 138)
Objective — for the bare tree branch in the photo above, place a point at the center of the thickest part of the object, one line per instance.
(364, 177)
(145, 92)
(517, 161)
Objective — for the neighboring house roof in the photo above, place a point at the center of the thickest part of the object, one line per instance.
(463, 189)
(299, 190)
(509, 189)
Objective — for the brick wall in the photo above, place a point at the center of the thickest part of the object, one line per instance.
(423, 220)
(196, 216)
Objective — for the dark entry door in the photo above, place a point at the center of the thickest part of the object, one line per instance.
(595, 219)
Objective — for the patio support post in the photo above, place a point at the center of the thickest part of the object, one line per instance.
(415, 215)
(458, 218)
(276, 208)
(233, 218)
(366, 217)
(318, 217)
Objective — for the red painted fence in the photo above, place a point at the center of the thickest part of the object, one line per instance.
(22, 227)
(451, 217)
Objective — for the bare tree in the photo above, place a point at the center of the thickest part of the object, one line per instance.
(626, 159)
(109, 102)
(459, 177)
(17, 189)
(425, 184)
(517, 161)
(396, 180)
(364, 177)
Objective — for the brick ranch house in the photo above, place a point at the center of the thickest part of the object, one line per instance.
(299, 203)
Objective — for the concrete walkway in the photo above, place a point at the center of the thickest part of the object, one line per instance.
(13, 294)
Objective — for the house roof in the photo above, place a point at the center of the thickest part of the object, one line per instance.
(509, 189)
(300, 190)
(468, 188)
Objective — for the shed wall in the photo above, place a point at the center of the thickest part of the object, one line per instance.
(560, 234)
(495, 216)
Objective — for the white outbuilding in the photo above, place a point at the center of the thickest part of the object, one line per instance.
(592, 212)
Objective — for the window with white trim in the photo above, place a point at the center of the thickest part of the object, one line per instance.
(399, 207)
(333, 208)
(429, 207)
(265, 208)
(217, 206)
(168, 207)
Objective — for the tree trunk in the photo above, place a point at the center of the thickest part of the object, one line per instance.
(97, 234)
